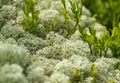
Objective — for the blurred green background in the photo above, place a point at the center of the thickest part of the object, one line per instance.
(107, 12)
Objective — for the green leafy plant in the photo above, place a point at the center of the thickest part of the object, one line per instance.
(115, 41)
(111, 12)
(118, 66)
(98, 46)
(30, 16)
(104, 43)
(91, 39)
(93, 72)
(77, 76)
(81, 75)
(66, 17)
(76, 8)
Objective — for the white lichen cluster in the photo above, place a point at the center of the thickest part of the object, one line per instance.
(44, 63)
(59, 77)
(12, 74)
(13, 54)
(5, 2)
(115, 75)
(50, 52)
(78, 47)
(15, 32)
(105, 67)
(1, 37)
(54, 38)
(31, 42)
(7, 12)
(64, 50)
(48, 17)
(37, 75)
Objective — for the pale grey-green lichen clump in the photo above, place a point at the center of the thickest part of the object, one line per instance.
(114, 75)
(15, 32)
(7, 12)
(6, 2)
(76, 36)
(12, 74)
(54, 52)
(65, 67)
(48, 16)
(11, 40)
(37, 75)
(44, 63)
(80, 62)
(55, 38)
(13, 54)
(53, 48)
(89, 80)
(105, 67)
(87, 21)
(78, 47)
(60, 48)
(76, 62)
(58, 77)
(32, 42)
(2, 37)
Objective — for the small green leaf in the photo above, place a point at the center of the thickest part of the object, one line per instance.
(92, 31)
(64, 3)
(34, 1)
(77, 75)
(93, 70)
(112, 81)
(90, 39)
